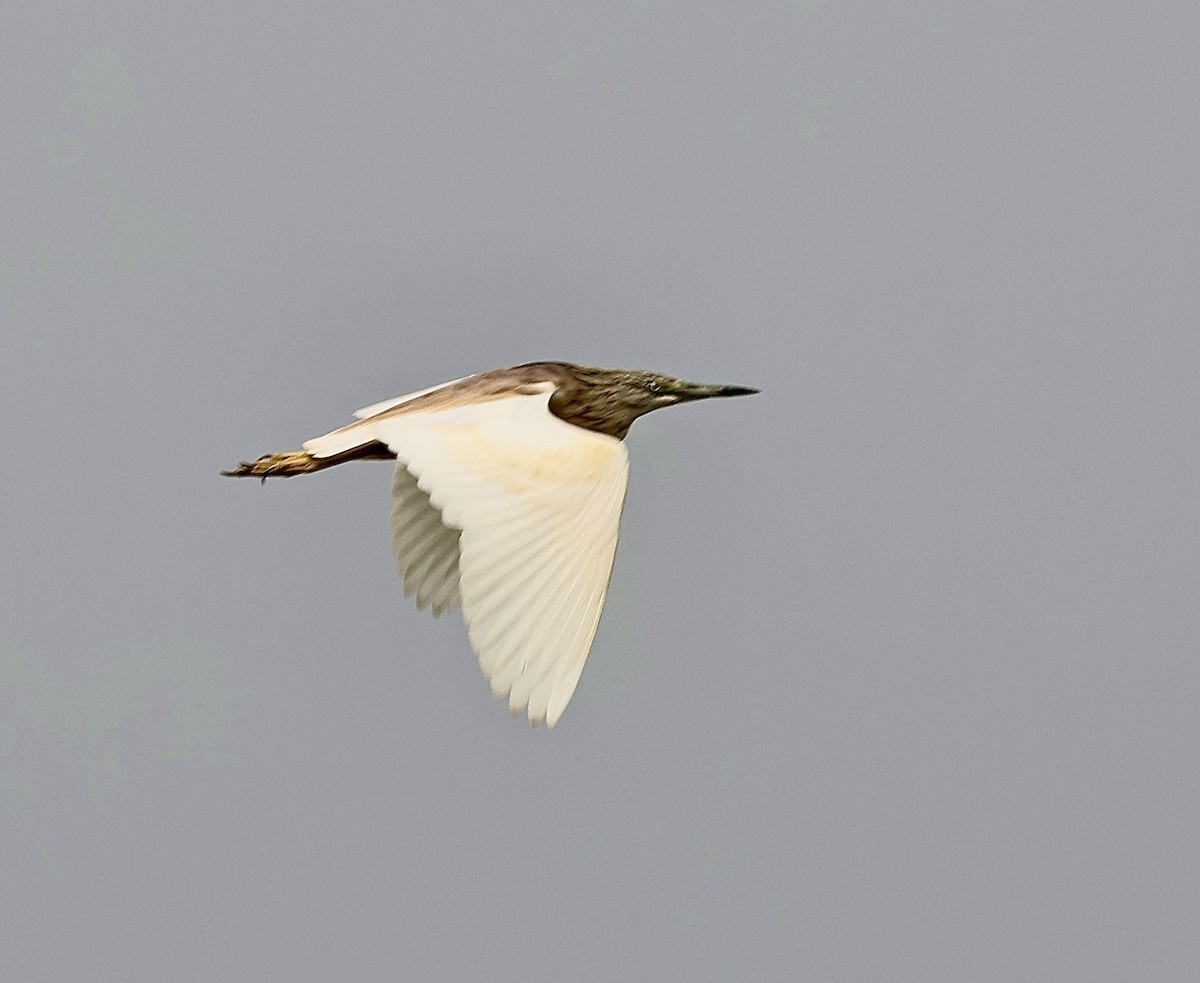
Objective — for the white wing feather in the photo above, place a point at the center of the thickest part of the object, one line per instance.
(426, 549)
(361, 431)
(529, 506)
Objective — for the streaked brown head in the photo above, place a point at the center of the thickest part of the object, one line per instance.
(609, 400)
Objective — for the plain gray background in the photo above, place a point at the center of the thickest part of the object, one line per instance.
(898, 678)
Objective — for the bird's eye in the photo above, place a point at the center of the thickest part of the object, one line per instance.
(653, 386)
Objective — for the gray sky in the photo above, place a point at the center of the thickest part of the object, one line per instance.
(898, 679)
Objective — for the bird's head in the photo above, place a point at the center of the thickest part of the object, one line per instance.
(609, 400)
(646, 391)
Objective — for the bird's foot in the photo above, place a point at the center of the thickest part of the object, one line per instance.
(283, 465)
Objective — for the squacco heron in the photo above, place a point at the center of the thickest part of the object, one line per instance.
(506, 500)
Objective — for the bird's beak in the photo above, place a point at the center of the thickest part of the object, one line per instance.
(685, 391)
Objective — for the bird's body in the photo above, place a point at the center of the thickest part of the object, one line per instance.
(506, 499)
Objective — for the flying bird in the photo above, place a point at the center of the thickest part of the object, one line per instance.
(506, 499)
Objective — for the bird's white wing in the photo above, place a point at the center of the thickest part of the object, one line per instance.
(426, 548)
(360, 432)
(538, 502)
